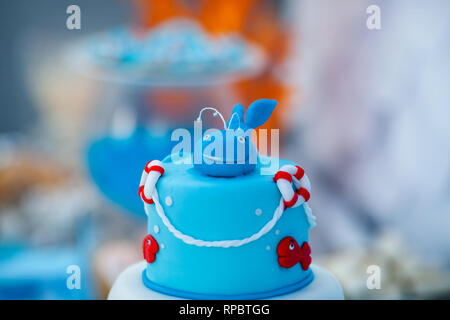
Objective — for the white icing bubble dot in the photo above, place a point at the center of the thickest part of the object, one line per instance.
(268, 248)
(156, 229)
(162, 246)
(168, 201)
(258, 212)
(277, 232)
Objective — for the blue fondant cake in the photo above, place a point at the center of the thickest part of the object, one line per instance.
(227, 231)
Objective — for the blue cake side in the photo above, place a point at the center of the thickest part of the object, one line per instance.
(216, 209)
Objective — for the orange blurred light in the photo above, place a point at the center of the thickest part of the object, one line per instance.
(219, 16)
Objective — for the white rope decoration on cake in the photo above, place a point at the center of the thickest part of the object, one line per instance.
(153, 171)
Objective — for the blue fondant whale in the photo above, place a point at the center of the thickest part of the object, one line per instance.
(230, 152)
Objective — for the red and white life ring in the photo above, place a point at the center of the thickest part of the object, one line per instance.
(152, 172)
(284, 178)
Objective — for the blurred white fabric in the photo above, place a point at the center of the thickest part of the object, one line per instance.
(374, 126)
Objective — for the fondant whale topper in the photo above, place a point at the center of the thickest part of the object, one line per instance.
(230, 152)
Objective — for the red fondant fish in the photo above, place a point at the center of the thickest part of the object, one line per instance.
(290, 253)
(150, 248)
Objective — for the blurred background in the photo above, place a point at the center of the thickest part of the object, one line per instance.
(365, 112)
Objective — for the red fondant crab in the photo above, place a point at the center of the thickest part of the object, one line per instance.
(150, 248)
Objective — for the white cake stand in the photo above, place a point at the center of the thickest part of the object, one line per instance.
(129, 286)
